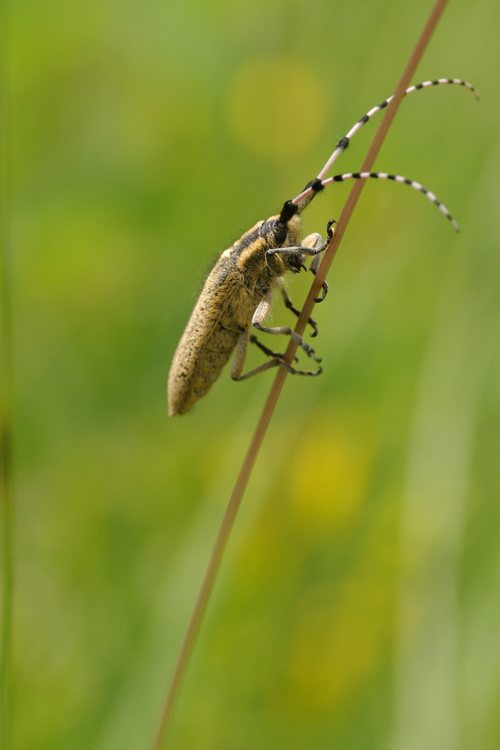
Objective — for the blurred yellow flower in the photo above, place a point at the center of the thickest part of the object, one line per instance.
(275, 105)
(329, 482)
(338, 643)
(344, 627)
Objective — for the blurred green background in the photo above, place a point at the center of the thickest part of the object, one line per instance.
(358, 605)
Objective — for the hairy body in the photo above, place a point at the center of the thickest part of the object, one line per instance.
(240, 281)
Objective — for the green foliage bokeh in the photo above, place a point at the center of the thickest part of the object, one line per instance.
(358, 604)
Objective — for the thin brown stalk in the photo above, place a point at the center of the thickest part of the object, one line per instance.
(270, 404)
(6, 398)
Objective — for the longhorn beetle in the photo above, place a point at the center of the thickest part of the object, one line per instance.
(237, 292)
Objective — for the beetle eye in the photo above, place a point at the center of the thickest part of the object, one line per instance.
(279, 234)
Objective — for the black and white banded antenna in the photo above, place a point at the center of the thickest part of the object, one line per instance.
(395, 178)
(304, 198)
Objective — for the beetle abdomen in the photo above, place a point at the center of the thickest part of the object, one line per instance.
(224, 309)
(197, 365)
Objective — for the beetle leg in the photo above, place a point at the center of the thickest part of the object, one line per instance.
(275, 361)
(254, 340)
(240, 354)
(261, 314)
(233, 327)
(303, 249)
(290, 306)
(324, 286)
(315, 241)
(313, 245)
(243, 342)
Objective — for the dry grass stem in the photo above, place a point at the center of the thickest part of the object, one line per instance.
(270, 404)
(6, 399)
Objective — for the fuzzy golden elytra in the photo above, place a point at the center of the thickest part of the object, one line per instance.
(238, 290)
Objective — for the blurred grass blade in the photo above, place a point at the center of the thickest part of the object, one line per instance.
(6, 388)
(269, 407)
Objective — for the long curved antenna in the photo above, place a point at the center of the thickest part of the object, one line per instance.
(345, 140)
(343, 143)
(320, 184)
